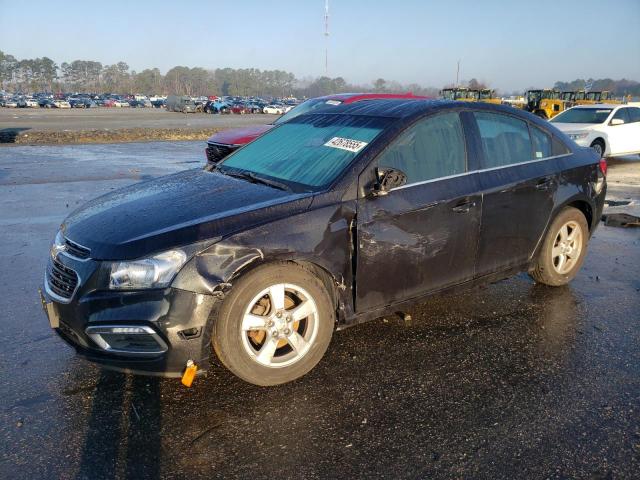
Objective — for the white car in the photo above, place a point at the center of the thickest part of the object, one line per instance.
(611, 130)
(61, 104)
(31, 103)
(121, 104)
(11, 103)
(274, 109)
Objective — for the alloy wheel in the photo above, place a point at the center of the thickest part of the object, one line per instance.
(279, 326)
(567, 247)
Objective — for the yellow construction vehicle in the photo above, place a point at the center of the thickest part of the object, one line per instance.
(458, 93)
(579, 97)
(488, 96)
(534, 102)
(603, 96)
(555, 104)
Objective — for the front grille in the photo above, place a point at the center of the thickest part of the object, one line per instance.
(62, 280)
(217, 151)
(76, 250)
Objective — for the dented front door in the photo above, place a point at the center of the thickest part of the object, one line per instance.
(418, 238)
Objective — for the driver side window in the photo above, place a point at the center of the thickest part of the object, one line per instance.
(622, 114)
(432, 148)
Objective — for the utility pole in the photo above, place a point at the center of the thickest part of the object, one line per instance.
(458, 74)
(326, 37)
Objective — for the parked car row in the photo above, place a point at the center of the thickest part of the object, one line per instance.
(173, 103)
(79, 100)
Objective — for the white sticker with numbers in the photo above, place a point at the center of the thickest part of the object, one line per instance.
(347, 144)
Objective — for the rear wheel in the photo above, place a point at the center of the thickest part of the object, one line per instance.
(275, 325)
(563, 249)
(598, 146)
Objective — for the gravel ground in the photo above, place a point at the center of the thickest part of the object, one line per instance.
(105, 125)
(511, 380)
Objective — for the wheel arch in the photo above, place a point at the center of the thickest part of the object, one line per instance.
(333, 283)
(578, 202)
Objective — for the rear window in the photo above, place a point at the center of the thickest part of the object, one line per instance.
(505, 139)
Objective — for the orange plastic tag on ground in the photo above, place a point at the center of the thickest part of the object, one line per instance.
(189, 373)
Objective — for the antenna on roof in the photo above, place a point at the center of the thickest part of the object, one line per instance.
(326, 37)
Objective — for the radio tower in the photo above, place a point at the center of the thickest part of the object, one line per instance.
(326, 37)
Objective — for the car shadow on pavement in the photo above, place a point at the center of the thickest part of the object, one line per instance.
(9, 135)
(123, 431)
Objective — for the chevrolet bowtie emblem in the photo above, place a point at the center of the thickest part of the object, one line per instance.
(56, 249)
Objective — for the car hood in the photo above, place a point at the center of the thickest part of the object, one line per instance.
(179, 209)
(575, 127)
(239, 136)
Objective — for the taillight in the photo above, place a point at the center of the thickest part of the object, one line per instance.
(603, 166)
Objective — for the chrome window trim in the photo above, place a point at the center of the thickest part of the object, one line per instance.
(95, 333)
(224, 144)
(536, 160)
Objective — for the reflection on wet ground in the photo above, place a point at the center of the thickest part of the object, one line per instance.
(510, 380)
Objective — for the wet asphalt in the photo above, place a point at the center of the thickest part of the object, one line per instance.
(511, 380)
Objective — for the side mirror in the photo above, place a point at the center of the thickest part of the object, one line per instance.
(616, 121)
(388, 179)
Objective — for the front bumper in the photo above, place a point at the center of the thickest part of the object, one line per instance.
(180, 321)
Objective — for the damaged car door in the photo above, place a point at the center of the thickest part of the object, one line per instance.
(420, 234)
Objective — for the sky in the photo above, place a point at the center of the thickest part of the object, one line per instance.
(509, 44)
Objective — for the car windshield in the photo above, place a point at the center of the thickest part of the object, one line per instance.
(306, 107)
(582, 115)
(307, 153)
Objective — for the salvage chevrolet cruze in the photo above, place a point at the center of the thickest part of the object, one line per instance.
(328, 220)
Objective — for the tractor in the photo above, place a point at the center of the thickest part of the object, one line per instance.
(459, 93)
(534, 102)
(603, 96)
(488, 96)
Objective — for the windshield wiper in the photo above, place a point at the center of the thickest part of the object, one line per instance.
(253, 178)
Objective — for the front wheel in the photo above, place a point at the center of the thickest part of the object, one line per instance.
(563, 249)
(598, 146)
(275, 325)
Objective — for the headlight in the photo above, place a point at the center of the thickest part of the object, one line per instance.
(578, 136)
(153, 272)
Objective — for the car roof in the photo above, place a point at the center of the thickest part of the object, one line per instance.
(601, 105)
(405, 108)
(356, 97)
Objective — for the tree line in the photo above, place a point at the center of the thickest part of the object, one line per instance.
(43, 74)
(618, 87)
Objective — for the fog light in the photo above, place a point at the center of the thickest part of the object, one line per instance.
(133, 340)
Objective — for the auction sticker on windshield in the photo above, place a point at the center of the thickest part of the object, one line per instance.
(347, 144)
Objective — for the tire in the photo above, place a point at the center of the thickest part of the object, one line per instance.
(560, 257)
(265, 355)
(598, 146)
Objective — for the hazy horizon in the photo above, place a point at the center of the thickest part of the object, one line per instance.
(508, 45)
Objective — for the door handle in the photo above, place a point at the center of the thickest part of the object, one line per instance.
(464, 207)
(544, 184)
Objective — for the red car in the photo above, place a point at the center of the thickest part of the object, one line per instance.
(223, 143)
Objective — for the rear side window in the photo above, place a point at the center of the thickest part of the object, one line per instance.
(505, 139)
(559, 148)
(541, 143)
(432, 148)
(634, 114)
